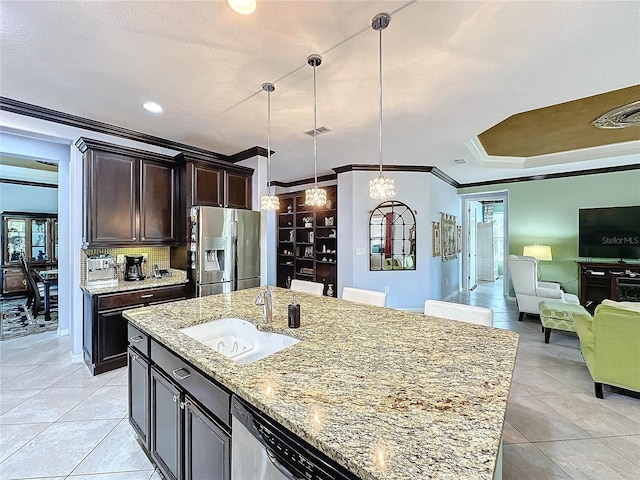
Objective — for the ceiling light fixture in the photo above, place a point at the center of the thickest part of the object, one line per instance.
(315, 197)
(152, 107)
(621, 117)
(243, 7)
(269, 202)
(381, 188)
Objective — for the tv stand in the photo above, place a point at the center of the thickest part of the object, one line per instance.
(598, 281)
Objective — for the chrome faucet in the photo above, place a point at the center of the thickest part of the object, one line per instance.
(266, 301)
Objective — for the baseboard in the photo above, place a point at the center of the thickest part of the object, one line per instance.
(63, 332)
(76, 358)
(450, 296)
(410, 309)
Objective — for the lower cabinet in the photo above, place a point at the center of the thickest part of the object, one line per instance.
(105, 329)
(139, 405)
(185, 439)
(166, 425)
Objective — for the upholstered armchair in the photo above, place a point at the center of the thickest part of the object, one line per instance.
(529, 291)
(610, 344)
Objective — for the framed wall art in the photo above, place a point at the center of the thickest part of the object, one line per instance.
(459, 239)
(435, 230)
(448, 233)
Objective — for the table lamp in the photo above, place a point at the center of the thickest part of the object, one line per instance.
(539, 252)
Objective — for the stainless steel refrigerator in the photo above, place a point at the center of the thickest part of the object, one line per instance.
(224, 249)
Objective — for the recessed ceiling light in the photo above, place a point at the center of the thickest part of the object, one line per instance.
(152, 107)
(244, 7)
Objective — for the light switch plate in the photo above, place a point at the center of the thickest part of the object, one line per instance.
(361, 251)
(119, 259)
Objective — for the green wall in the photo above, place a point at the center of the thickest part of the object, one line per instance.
(546, 212)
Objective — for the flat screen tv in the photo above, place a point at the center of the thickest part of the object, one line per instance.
(611, 232)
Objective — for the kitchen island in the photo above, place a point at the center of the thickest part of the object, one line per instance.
(387, 394)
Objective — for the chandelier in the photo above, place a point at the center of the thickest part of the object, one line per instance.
(381, 188)
(315, 197)
(269, 202)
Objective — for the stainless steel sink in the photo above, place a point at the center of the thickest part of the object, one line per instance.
(239, 339)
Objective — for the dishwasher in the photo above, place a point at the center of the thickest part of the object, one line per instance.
(264, 450)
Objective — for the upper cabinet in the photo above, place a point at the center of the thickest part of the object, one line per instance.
(211, 182)
(129, 196)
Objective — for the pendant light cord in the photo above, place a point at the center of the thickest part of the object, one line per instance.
(380, 120)
(315, 128)
(268, 142)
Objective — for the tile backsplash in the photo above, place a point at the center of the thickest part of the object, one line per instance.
(156, 255)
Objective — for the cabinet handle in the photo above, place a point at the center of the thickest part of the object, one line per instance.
(175, 373)
(143, 238)
(133, 238)
(182, 405)
(135, 356)
(175, 398)
(148, 295)
(137, 338)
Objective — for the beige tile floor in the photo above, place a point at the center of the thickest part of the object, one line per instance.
(57, 421)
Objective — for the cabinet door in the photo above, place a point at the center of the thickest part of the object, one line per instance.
(207, 186)
(157, 203)
(111, 342)
(238, 191)
(139, 409)
(166, 425)
(112, 183)
(206, 445)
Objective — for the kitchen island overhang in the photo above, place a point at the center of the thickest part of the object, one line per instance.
(387, 394)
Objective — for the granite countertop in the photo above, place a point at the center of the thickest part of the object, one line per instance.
(177, 277)
(386, 393)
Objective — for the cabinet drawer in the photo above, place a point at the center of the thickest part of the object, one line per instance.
(141, 297)
(138, 340)
(208, 394)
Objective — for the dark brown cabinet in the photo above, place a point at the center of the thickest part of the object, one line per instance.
(207, 181)
(129, 196)
(105, 329)
(207, 185)
(139, 404)
(600, 281)
(182, 418)
(166, 425)
(308, 241)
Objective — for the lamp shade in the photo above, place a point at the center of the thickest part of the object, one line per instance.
(540, 252)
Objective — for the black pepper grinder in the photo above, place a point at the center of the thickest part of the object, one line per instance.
(294, 314)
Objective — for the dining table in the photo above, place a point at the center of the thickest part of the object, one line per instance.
(49, 278)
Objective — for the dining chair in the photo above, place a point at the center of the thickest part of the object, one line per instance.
(370, 297)
(36, 289)
(459, 312)
(303, 286)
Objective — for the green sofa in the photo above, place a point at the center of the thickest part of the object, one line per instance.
(610, 344)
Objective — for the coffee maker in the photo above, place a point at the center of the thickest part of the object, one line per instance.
(133, 268)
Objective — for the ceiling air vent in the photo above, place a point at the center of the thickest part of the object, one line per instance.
(459, 161)
(625, 116)
(319, 131)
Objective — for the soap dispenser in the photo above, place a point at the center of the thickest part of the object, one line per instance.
(294, 314)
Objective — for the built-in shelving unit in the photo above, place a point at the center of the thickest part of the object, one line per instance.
(308, 241)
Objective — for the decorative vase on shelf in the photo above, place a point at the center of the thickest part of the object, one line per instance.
(330, 290)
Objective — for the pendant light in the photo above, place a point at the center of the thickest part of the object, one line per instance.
(269, 202)
(381, 188)
(315, 197)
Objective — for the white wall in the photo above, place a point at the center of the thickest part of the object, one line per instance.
(23, 198)
(422, 192)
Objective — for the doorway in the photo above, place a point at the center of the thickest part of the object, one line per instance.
(485, 245)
